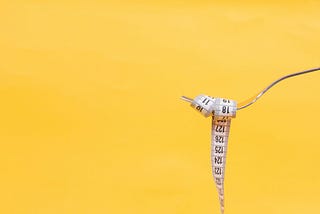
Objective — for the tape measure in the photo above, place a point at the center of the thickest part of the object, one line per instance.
(221, 110)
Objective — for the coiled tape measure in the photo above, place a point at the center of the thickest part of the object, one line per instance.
(222, 111)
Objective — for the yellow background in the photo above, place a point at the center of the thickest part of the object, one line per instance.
(91, 120)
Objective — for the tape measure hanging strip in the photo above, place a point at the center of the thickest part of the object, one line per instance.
(221, 110)
(219, 144)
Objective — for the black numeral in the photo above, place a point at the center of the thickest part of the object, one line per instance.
(218, 181)
(206, 101)
(220, 128)
(217, 171)
(225, 109)
(199, 108)
(222, 121)
(219, 139)
(218, 149)
(218, 160)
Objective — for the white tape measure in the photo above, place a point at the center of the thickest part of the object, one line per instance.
(222, 110)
